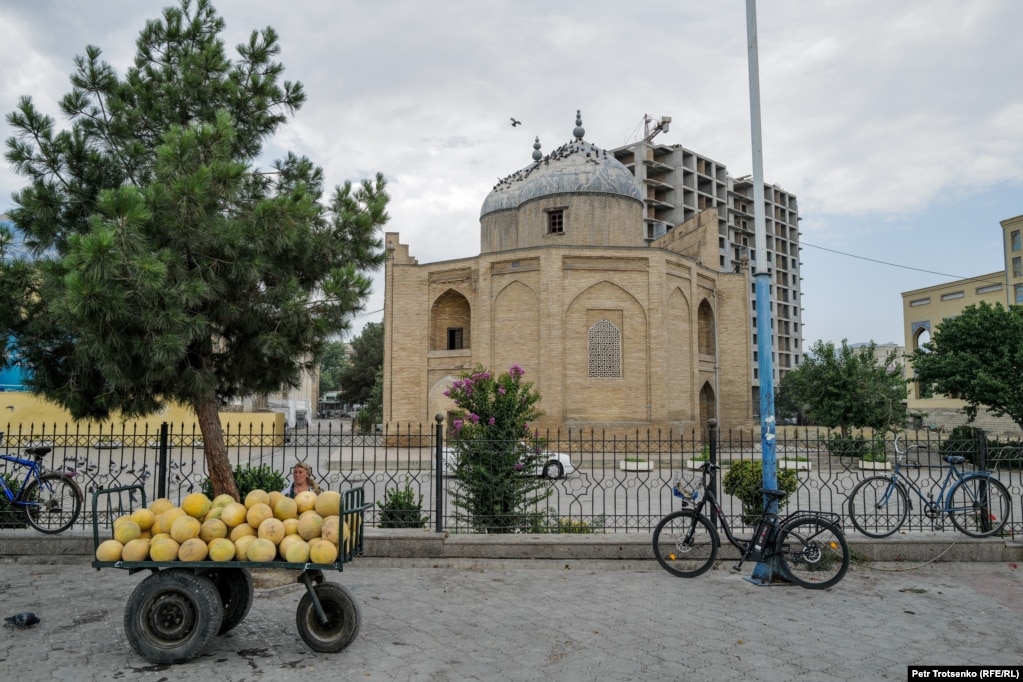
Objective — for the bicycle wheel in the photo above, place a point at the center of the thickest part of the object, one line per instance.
(878, 506)
(52, 503)
(686, 544)
(979, 506)
(813, 552)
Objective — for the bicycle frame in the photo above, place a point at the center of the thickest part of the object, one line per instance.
(939, 503)
(34, 471)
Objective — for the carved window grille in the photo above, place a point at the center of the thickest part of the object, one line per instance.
(605, 351)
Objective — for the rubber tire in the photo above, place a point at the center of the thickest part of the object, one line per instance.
(172, 616)
(343, 618)
(999, 505)
(893, 516)
(694, 560)
(553, 470)
(59, 488)
(812, 543)
(236, 590)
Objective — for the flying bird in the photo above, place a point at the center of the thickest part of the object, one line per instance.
(22, 620)
(515, 122)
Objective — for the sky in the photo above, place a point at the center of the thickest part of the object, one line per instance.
(898, 125)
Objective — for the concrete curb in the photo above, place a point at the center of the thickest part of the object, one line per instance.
(405, 547)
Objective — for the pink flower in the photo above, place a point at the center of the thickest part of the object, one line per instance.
(458, 423)
(492, 421)
(516, 371)
(500, 389)
(474, 418)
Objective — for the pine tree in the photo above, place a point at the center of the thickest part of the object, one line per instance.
(166, 265)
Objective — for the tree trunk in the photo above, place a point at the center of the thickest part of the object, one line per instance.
(217, 463)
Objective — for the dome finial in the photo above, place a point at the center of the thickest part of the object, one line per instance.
(579, 130)
(537, 154)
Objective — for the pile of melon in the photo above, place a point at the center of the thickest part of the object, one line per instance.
(267, 527)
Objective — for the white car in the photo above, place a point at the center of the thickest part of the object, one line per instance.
(558, 465)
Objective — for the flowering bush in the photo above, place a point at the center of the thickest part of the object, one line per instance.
(496, 451)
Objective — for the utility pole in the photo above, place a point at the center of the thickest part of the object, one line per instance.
(763, 573)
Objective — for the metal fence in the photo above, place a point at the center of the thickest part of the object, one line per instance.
(619, 485)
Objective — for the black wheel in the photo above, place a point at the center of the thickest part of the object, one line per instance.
(343, 618)
(236, 590)
(172, 616)
(686, 544)
(813, 552)
(979, 506)
(553, 470)
(878, 506)
(52, 503)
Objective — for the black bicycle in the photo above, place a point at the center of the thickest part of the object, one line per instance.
(810, 547)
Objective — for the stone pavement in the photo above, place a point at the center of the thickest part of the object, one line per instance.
(545, 620)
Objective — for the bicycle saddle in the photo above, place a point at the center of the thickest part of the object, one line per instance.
(37, 450)
(955, 459)
(776, 494)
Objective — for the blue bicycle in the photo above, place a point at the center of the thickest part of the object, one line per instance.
(977, 503)
(51, 501)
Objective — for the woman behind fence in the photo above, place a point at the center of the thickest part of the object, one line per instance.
(301, 480)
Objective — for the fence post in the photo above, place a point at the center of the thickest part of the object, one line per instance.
(161, 487)
(712, 434)
(438, 498)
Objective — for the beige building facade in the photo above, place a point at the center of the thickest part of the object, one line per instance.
(617, 332)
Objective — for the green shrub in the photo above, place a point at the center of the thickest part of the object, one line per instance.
(744, 481)
(249, 478)
(852, 446)
(964, 440)
(9, 516)
(401, 509)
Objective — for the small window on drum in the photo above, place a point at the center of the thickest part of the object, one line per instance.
(455, 341)
(556, 221)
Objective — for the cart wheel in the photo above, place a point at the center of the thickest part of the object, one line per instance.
(172, 616)
(342, 618)
(236, 594)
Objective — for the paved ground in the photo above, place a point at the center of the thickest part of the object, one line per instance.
(547, 621)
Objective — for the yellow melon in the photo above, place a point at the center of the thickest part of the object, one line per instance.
(261, 550)
(109, 550)
(143, 517)
(322, 552)
(233, 514)
(258, 513)
(196, 505)
(164, 520)
(223, 500)
(328, 502)
(288, 540)
(184, 529)
(160, 505)
(221, 549)
(257, 497)
(305, 500)
(164, 549)
(127, 531)
(271, 529)
(136, 550)
(298, 552)
(193, 549)
(291, 526)
(119, 520)
(346, 536)
(212, 529)
(241, 547)
(309, 526)
(242, 531)
(286, 508)
(331, 529)
(159, 536)
(213, 513)
(146, 535)
(275, 497)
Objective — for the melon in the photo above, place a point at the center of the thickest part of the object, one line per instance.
(223, 500)
(144, 517)
(160, 505)
(185, 528)
(346, 535)
(241, 546)
(136, 550)
(328, 502)
(196, 505)
(164, 521)
(212, 529)
(258, 513)
(164, 549)
(193, 549)
(119, 520)
(331, 529)
(261, 550)
(309, 526)
(256, 497)
(271, 529)
(244, 530)
(305, 500)
(322, 552)
(221, 549)
(275, 497)
(288, 540)
(109, 550)
(213, 513)
(159, 536)
(146, 535)
(233, 514)
(291, 526)
(298, 552)
(127, 531)
(286, 508)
